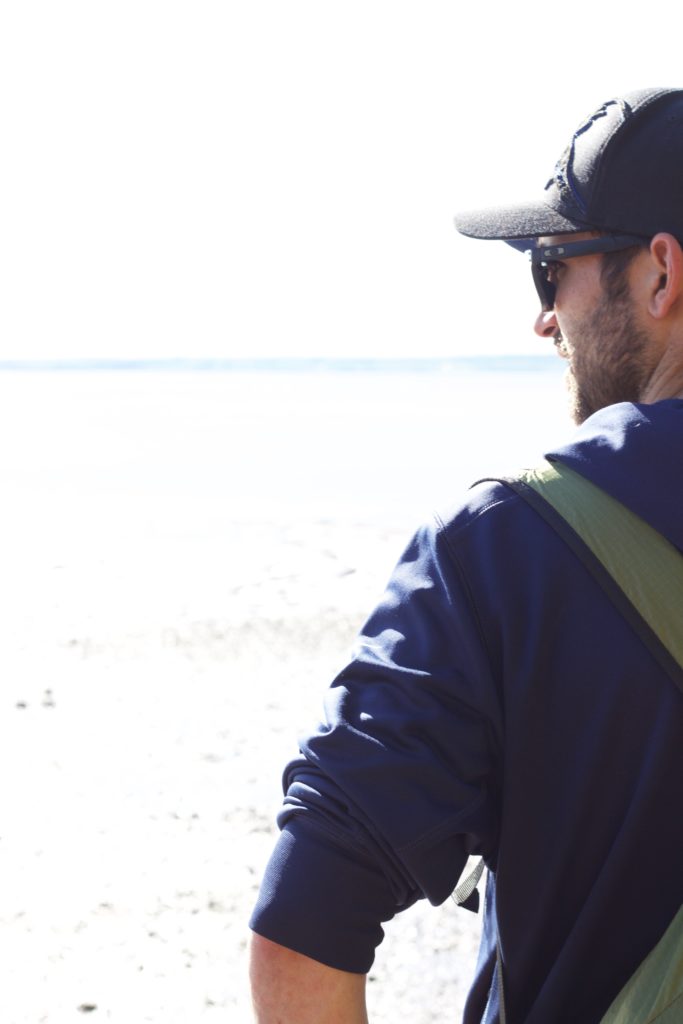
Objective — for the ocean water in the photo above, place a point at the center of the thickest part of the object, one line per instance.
(153, 492)
(339, 439)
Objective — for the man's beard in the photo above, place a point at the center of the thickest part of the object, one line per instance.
(609, 364)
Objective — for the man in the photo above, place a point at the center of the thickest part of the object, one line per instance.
(499, 702)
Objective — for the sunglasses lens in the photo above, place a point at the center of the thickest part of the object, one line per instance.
(544, 287)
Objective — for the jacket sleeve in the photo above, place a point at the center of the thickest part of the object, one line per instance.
(400, 783)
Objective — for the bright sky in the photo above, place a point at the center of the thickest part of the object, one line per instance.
(278, 177)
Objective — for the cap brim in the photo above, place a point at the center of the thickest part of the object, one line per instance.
(523, 221)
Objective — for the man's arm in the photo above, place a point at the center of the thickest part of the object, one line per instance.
(289, 988)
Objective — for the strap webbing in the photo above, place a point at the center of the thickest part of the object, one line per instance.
(638, 567)
(464, 891)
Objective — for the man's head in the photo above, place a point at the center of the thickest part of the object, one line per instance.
(605, 243)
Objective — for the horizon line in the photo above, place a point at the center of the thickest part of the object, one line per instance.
(218, 363)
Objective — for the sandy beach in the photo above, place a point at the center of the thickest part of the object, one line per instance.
(142, 758)
(185, 569)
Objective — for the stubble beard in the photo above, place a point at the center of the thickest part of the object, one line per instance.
(609, 365)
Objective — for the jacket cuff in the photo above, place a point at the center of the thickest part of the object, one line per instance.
(323, 899)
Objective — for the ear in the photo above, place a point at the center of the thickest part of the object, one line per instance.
(665, 286)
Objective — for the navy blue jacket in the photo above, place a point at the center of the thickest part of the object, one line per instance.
(498, 704)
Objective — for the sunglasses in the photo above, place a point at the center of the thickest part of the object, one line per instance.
(544, 258)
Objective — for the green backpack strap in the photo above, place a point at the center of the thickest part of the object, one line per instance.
(655, 991)
(643, 574)
(638, 567)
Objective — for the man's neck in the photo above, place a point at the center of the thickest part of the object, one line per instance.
(666, 380)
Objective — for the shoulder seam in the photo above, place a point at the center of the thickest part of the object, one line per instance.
(505, 499)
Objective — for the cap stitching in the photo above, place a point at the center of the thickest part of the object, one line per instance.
(564, 168)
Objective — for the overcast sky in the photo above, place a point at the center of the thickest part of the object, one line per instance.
(278, 177)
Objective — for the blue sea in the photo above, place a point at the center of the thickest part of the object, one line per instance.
(358, 440)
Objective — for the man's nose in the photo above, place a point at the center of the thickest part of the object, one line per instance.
(546, 324)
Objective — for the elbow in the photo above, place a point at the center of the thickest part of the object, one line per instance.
(290, 988)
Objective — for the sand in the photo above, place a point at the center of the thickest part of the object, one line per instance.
(153, 695)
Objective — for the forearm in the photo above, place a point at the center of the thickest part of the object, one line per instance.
(289, 988)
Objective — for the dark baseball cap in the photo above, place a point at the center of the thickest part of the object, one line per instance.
(622, 172)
